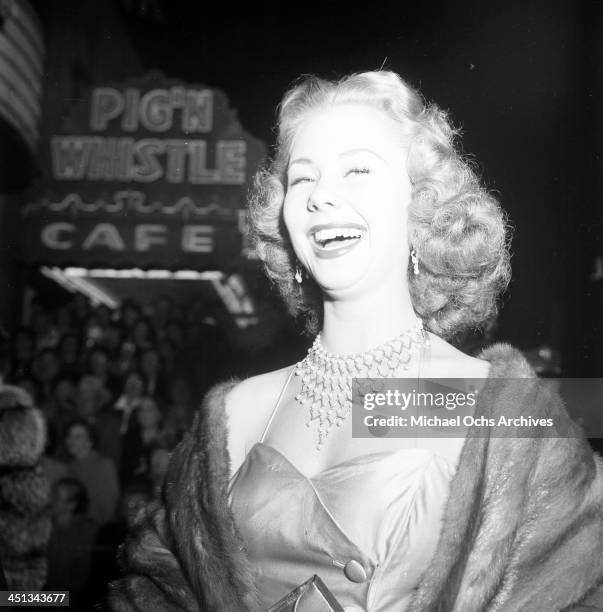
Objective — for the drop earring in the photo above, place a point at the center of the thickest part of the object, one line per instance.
(415, 261)
(298, 274)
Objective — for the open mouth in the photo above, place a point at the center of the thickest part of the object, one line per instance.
(332, 238)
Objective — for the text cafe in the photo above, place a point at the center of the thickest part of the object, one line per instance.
(147, 173)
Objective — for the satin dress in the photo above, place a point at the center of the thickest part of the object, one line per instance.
(368, 526)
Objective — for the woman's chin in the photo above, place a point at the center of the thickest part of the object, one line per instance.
(342, 284)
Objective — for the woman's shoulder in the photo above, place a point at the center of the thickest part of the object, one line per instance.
(447, 361)
(499, 360)
(247, 406)
(256, 391)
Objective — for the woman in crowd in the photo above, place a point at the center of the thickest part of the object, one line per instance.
(71, 542)
(132, 393)
(378, 232)
(96, 472)
(145, 430)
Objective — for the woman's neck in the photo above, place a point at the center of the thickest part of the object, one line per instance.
(358, 325)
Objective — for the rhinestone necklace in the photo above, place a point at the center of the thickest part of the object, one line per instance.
(326, 379)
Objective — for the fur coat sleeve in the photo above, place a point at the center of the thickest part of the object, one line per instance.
(522, 530)
(24, 492)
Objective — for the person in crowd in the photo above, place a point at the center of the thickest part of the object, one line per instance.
(130, 312)
(105, 316)
(71, 542)
(80, 309)
(69, 354)
(21, 353)
(64, 396)
(175, 333)
(132, 392)
(145, 429)
(24, 491)
(45, 368)
(171, 362)
(143, 334)
(97, 364)
(127, 359)
(159, 458)
(93, 405)
(112, 338)
(61, 407)
(45, 330)
(97, 472)
(64, 320)
(163, 307)
(93, 331)
(52, 461)
(151, 367)
(179, 414)
(378, 233)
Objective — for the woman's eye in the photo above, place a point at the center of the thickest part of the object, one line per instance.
(300, 179)
(356, 171)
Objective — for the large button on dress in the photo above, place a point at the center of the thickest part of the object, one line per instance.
(368, 526)
(354, 571)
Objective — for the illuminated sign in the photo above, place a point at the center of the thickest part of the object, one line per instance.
(109, 158)
(149, 172)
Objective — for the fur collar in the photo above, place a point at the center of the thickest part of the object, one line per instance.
(523, 526)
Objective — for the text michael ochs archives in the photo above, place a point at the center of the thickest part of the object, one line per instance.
(405, 407)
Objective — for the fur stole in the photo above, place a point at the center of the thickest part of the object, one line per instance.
(523, 526)
(24, 491)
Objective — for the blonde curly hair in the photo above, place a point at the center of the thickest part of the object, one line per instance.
(458, 230)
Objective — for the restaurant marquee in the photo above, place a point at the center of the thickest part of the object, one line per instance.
(151, 172)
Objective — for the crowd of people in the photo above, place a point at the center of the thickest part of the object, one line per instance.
(118, 389)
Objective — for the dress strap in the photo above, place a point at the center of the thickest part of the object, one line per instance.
(278, 403)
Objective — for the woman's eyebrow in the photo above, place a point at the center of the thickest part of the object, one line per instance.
(348, 153)
(301, 160)
(360, 150)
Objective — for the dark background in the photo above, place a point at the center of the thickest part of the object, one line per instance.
(521, 79)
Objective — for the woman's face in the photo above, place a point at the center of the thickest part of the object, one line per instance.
(78, 442)
(347, 196)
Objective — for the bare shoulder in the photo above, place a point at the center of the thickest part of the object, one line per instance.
(248, 406)
(448, 361)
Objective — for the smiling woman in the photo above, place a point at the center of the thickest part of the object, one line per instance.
(377, 231)
(457, 230)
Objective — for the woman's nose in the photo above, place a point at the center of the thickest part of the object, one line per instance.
(322, 196)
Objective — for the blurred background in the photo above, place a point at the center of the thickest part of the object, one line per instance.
(129, 133)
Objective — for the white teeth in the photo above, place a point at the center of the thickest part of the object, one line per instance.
(333, 233)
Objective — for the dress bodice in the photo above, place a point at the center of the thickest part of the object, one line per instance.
(367, 526)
